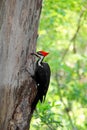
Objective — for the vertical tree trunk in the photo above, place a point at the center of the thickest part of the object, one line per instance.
(18, 35)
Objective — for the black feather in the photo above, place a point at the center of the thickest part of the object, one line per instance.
(42, 78)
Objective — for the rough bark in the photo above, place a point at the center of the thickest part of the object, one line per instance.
(18, 35)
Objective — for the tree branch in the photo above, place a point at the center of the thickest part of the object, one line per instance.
(73, 39)
(65, 106)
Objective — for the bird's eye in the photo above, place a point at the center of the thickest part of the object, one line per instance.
(39, 53)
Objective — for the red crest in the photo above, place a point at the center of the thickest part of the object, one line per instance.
(43, 53)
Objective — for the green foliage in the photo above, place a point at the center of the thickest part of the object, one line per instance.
(44, 116)
(63, 33)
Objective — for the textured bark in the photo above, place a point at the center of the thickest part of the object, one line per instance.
(18, 35)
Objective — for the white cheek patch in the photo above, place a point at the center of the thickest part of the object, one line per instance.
(39, 62)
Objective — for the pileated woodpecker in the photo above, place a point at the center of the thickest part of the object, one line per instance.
(42, 77)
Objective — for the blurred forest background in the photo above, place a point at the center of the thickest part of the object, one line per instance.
(63, 33)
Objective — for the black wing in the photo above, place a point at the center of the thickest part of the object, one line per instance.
(42, 78)
(48, 73)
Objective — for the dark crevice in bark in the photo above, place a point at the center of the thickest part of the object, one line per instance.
(2, 11)
(21, 114)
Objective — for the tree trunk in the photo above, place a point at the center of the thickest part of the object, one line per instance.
(18, 35)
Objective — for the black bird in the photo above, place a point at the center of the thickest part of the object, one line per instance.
(42, 77)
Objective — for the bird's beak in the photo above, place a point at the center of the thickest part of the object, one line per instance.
(33, 53)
